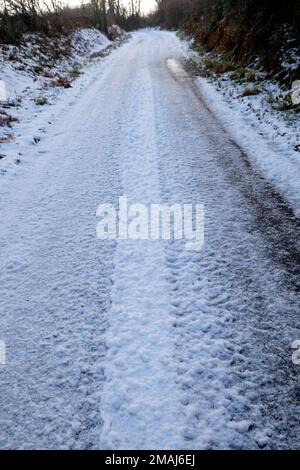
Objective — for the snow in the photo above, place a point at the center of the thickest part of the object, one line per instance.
(19, 75)
(273, 157)
(140, 389)
(127, 344)
(270, 138)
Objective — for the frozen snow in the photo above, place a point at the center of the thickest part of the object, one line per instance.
(270, 138)
(138, 345)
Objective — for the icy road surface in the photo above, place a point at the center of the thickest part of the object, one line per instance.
(141, 344)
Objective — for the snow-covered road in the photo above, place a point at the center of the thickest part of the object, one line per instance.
(143, 344)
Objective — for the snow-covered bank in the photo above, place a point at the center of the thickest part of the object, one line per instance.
(142, 344)
(259, 116)
(39, 79)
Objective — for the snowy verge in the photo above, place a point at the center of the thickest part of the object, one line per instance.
(275, 160)
(247, 110)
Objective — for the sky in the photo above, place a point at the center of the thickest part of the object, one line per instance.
(147, 5)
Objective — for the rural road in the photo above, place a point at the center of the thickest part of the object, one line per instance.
(125, 344)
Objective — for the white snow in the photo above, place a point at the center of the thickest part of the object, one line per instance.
(270, 138)
(274, 157)
(141, 402)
